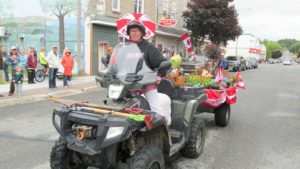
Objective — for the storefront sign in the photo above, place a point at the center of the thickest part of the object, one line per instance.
(166, 21)
(253, 50)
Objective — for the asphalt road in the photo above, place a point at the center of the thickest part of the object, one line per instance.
(264, 132)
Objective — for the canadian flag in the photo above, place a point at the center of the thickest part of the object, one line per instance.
(214, 98)
(231, 95)
(240, 83)
(187, 42)
(219, 76)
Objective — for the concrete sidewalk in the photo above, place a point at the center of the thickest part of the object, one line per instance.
(40, 91)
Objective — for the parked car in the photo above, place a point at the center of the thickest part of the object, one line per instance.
(236, 63)
(252, 62)
(248, 63)
(193, 63)
(271, 61)
(287, 62)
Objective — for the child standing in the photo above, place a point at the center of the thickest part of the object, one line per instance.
(68, 64)
(18, 80)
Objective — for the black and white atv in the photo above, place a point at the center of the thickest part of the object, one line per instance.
(113, 135)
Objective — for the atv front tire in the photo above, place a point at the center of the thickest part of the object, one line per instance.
(222, 115)
(194, 147)
(62, 158)
(148, 157)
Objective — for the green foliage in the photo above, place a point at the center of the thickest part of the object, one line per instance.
(287, 42)
(176, 61)
(295, 48)
(213, 18)
(272, 47)
(199, 80)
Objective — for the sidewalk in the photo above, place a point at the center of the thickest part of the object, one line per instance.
(40, 91)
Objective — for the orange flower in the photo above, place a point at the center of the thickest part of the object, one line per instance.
(176, 75)
(180, 81)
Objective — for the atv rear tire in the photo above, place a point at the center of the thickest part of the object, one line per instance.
(61, 157)
(194, 147)
(222, 115)
(148, 157)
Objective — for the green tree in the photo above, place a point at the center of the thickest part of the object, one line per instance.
(6, 11)
(215, 19)
(59, 8)
(288, 43)
(295, 48)
(272, 47)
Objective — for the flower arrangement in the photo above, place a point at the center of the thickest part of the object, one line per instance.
(201, 78)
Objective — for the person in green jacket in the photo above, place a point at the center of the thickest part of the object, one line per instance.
(43, 60)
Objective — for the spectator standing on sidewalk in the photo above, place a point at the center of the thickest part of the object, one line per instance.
(18, 80)
(4, 56)
(68, 64)
(22, 60)
(2, 60)
(31, 66)
(43, 60)
(53, 62)
(13, 59)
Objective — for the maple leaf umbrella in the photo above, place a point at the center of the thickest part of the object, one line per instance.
(123, 21)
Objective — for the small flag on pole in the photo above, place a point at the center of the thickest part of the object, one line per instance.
(187, 42)
(240, 83)
(219, 77)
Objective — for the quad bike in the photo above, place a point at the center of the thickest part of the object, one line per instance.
(123, 132)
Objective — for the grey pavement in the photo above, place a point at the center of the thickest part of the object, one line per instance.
(40, 91)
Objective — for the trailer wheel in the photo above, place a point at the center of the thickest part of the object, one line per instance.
(194, 147)
(62, 158)
(222, 115)
(148, 157)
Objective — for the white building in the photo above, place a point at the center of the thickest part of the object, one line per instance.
(246, 45)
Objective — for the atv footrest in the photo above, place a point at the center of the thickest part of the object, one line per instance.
(175, 135)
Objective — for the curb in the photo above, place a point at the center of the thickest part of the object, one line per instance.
(40, 97)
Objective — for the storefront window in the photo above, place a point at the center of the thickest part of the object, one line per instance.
(139, 6)
(173, 10)
(116, 5)
(165, 6)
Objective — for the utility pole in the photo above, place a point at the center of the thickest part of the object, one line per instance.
(79, 36)
(236, 47)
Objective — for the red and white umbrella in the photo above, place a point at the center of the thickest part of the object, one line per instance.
(149, 25)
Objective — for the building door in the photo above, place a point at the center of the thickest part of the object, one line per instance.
(102, 51)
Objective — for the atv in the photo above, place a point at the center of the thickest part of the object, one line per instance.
(123, 132)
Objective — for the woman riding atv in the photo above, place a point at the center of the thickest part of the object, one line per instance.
(158, 102)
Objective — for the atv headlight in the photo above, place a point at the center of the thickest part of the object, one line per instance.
(57, 120)
(115, 91)
(114, 132)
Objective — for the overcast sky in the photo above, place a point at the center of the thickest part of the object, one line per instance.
(270, 19)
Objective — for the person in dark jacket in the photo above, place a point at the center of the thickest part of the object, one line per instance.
(158, 102)
(4, 57)
(31, 66)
